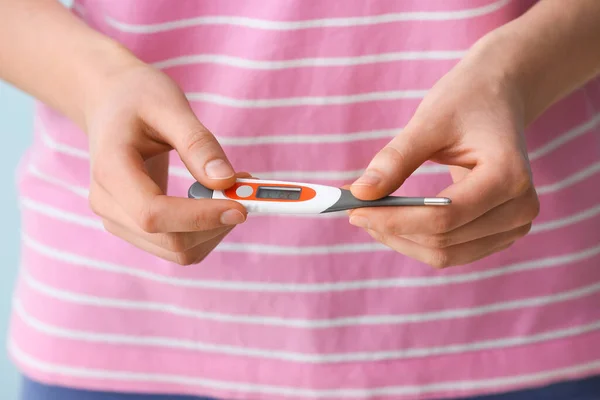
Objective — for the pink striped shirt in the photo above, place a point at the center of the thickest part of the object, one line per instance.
(308, 307)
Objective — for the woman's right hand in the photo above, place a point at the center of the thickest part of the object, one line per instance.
(133, 119)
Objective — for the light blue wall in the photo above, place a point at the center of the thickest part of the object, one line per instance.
(16, 111)
(15, 135)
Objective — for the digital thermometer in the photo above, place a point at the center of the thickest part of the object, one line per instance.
(277, 197)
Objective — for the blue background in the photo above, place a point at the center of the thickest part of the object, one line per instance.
(16, 125)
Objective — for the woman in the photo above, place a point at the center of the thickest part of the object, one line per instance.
(503, 93)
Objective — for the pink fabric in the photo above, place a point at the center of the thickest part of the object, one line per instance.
(308, 307)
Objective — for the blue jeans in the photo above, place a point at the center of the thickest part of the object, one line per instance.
(585, 389)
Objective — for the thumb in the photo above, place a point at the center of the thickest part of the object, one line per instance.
(393, 164)
(197, 147)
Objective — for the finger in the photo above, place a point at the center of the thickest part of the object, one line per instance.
(392, 165)
(488, 185)
(194, 255)
(121, 173)
(116, 220)
(512, 214)
(245, 175)
(176, 242)
(199, 150)
(158, 169)
(457, 172)
(209, 246)
(460, 254)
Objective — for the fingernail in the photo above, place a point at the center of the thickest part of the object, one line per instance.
(218, 169)
(232, 217)
(369, 178)
(359, 221)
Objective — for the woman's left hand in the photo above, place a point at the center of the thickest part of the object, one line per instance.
(473, 121)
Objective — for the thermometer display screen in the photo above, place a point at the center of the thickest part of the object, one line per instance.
(280, 193)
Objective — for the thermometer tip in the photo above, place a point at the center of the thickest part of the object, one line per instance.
(436, 201)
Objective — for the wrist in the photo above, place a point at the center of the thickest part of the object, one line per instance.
(499, 56)
(54, 56)
(102, 63)
(545, 54)
(491, 69)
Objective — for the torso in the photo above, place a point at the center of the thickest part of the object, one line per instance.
(304, 306)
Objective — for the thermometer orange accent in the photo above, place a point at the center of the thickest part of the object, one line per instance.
(306, 193)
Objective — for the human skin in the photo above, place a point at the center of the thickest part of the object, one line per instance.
(472, 119)
(133, 115)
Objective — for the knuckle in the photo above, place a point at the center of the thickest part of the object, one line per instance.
(439, 259)
(525, 210)
(443, 222)
(394, 156)
(437, 241)
(202, 256)
(184, 258)
(173, 241)
(534, 207)
(504, 247)
(389, 226)
(198, 222)
(520, 181)
(147, 221)
(149, 215)
(94, 200)
(507, 246)
(94, 205)
(198, 139)
(109, 227)
(525, 229)
(99, 172)
(378, 236)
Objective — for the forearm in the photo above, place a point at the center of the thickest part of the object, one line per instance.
(550, 51)
(52, 55)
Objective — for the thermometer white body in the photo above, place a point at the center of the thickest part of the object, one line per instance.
(279, 197)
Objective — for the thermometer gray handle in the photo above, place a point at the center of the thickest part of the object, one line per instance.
(347, 201)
